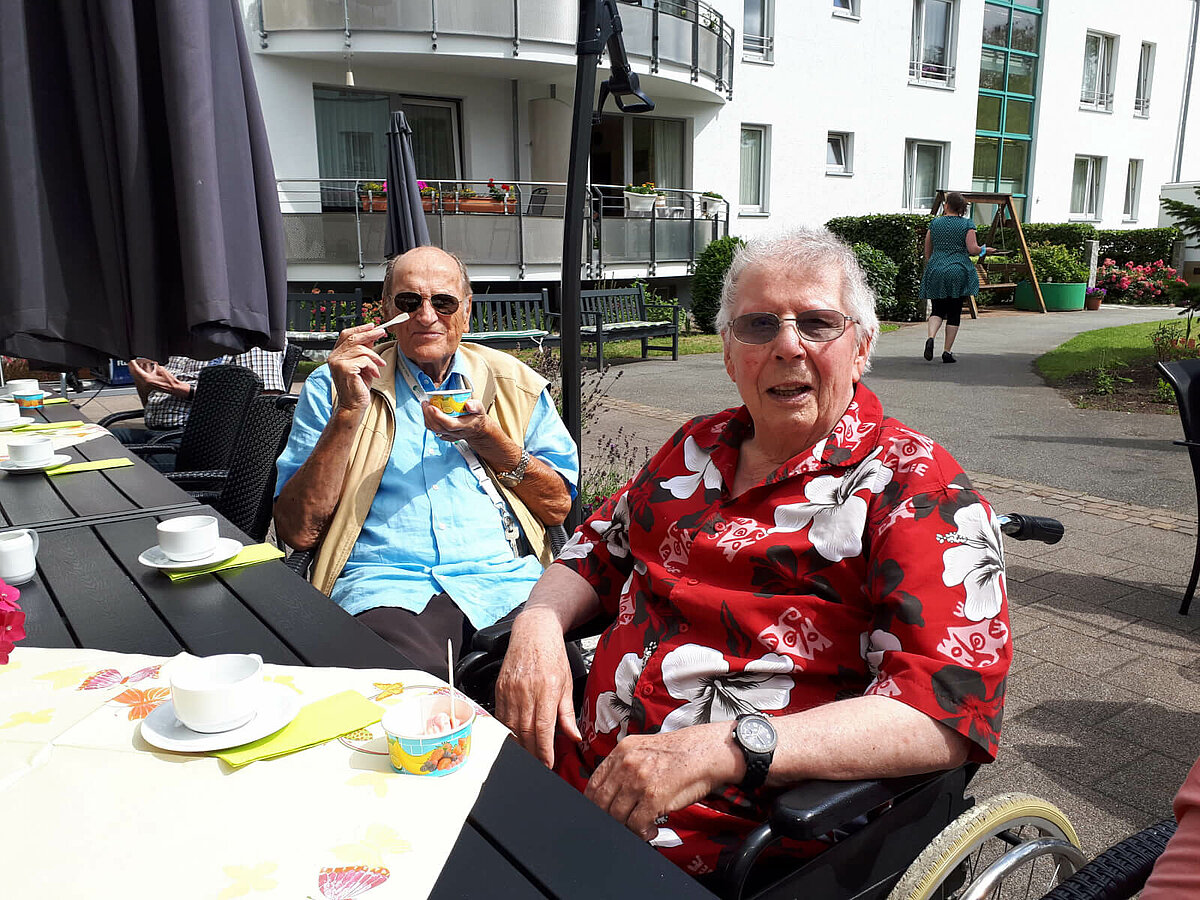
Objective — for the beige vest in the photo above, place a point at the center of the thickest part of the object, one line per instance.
(508, 390)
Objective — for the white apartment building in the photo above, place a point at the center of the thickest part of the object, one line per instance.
(794, 110)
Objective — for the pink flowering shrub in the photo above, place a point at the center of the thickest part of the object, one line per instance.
(1131, 283)
(12, 620)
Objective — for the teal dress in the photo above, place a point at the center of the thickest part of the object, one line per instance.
(949, 272)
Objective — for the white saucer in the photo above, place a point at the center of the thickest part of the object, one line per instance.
(56, 460)
(277, 706)
(227, 548)
(23, 420)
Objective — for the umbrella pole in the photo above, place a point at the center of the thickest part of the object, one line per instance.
(599, 26)
(588, 49)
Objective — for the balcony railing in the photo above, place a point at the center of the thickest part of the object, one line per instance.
(930, 73)
(1141, 106)
(758, 46)
(1096, 99)
(688, 33)
(342, 221)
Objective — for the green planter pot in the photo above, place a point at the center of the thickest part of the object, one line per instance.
(1058, 297)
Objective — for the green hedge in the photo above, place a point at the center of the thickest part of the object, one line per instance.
(881, 276)
(901, 237)
(711, 266)
(1071, 235)
(1137, 245)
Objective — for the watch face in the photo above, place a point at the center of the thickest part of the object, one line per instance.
(756, 734)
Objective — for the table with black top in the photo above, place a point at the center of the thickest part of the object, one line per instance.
(33, 500)
(529, 833)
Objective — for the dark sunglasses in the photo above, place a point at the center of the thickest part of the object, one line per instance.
(443, 304)
(813, 325)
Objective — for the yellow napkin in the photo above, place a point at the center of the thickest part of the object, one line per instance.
(255, 553)
(90, 466)
(47, 426)
(55, 400)
(315, 724)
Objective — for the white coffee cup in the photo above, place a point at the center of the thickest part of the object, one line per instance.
(21, 386)
(30, 450)
(215, 693)
(188, 538)
(10, 414)
(18, 555)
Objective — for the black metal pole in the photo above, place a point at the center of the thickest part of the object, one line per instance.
(588, 52)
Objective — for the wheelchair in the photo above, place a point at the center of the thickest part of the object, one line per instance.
(912, 838)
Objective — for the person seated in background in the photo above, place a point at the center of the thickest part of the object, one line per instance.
(801, 588)
(166, 393)
(416, 515)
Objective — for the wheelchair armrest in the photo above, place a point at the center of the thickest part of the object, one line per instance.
(300, 561)
(151, 449)
(814, 808)
(201, 479)
(121, 416)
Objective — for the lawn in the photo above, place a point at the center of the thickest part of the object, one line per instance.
(1118, 347)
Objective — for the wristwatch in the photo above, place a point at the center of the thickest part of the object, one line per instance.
(756, 737)
(516, 475)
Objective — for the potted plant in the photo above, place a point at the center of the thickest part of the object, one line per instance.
(1095, 296)
(463, 199)
(642, 197)
(1062, 277)
(373, 195)
(428, 196)
(711, 204)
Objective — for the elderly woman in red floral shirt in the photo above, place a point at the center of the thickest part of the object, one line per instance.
(801, 587)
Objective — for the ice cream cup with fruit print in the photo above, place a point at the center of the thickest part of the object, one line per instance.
(426, 735)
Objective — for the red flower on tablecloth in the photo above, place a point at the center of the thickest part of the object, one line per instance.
(142, 702)
(12, 620)
(350, 881)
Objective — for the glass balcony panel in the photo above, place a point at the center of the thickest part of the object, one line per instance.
(390, 15)
(303, 14)
(625, 240)
(552, 20)
(671, 239)
(637, 28)
(543, 241)
(675, 40)
(482, 19)
(710, 46)
(482, 240)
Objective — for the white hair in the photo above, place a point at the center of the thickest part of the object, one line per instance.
(804, 248)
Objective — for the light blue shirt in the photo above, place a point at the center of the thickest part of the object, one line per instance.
(431, 527)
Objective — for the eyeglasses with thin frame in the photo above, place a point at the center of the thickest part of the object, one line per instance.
(818, 325)
(443, 304)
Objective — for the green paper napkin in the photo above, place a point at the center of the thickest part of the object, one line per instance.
(90, 466)
(255, 553)
(315, 724)
(47, 426)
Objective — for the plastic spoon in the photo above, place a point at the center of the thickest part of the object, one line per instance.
(450, 670)
(403, 317)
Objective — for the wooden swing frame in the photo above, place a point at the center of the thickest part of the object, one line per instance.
(1004, 209)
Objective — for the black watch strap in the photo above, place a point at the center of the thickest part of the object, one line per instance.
(758, 753)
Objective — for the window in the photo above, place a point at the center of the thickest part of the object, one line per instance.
(846, 8)
(758, 28)
(1085, 187)
(1141, 98)
(922, 174)
(1133, 187)
(657, 151)
(838, 158)
(352, 138)
(752, 193)
(1099, 56)
(932, 57)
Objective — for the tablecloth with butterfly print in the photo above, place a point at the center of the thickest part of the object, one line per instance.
(92, 810)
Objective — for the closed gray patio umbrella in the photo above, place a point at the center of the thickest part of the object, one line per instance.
(138, 208)
(406, 226)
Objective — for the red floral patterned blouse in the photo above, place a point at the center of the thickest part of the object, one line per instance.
(865, 565)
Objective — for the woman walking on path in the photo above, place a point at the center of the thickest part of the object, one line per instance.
(949, 276)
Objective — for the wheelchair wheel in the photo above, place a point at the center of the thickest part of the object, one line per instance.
(980, 837)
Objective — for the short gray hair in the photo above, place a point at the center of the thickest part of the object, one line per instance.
(390, 265)
(804, 247)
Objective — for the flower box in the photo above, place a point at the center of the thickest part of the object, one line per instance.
(487, 205)
(639, 202)
(374, 202)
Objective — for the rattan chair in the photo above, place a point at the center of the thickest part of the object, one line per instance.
(243, 495)
(1184, 377)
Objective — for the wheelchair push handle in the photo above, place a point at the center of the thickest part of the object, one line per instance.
(1031, 528)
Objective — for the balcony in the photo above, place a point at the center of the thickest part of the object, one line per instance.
(335, 228)
(930, 73)
(688, 37)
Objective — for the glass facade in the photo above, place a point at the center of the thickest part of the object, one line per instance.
(1007, 91)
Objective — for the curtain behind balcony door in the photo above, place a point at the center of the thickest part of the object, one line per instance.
(138, 208)
(351, 141)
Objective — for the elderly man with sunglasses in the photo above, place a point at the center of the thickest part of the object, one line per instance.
(801, 587)
(416, 515)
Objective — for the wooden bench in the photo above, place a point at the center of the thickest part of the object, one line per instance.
(512, 321)
(314, 320)
(619, 314)
(1003, 271)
